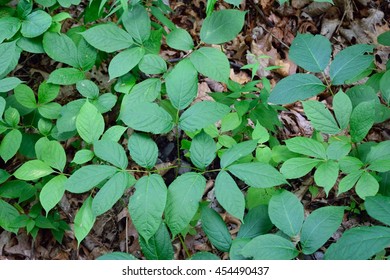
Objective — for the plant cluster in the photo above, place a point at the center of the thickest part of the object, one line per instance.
(232, 139)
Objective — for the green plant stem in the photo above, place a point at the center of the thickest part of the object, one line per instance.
(184, 245)
(328, 84)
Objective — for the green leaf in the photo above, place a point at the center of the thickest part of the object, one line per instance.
(222, 26)
(230, 122)
(88, 177)
(147, 204)
(320, 117)
(367, 186)
(215, 229)
(296, 87)
(86, 54)
(286, 212)
(384, 38)
(25, 96)
(349, 164)
(88, 89)
(306, 146)
(349, 181)
(182, 84)
(211, 63)
(66, 76)
(235, 249)
(110, 193)
(47, 92)
(237, 152)
(338, 149)
(260, 133)
(342, 107)
(9, 27)
(204, 256)
(310, 52)
(111, 152)
(52, 192)
(202, 114)
(234, 2)
(203, 150)
(124, 61)
(35, 24)
(9, 57)
(17, 189)
(362, 119)
(229, 195)
(359, 243)
(12, 117)
(105, 102)
(8, 216)
(152, 64)
(32, 45)
(184, 195)
(256, 222)
(384, 86)
(2, 106)
(9, 83)
(270, 247)
(84, 220)
(350, 62)
(32, 170)
(147, 117)
(50, 111)
(83, 156)
(257, 174)
(180, 39)
(60, 47)
(298, 167)
(143, 150)
(51, 152)
(114, 256)
(378, 207)
(326, 175)
(379, 157)
(108, 38)
(89, 123)
(159, 247)
(114, 133)
(10, 144)
(137, 22)
(145, 91)
(319, 227)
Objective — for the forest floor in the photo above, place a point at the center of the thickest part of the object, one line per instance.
(269, 30)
